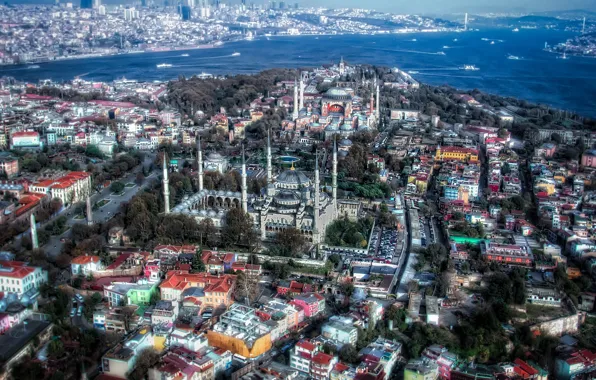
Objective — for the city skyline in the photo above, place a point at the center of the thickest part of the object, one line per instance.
(423, 7)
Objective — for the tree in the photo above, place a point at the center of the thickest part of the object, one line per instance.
(246, 287)
(146, 359)
(348, 354)
(290, 242)
(238, 228)
(140, 178)
(207, 232)
(197, 264)
(117, 187)
(56, 348)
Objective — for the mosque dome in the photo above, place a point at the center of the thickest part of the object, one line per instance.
(331, 127)
(336, 93)
(293, 178)
(345, 127)
(345, 142)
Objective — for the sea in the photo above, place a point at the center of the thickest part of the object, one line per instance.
(536, 76)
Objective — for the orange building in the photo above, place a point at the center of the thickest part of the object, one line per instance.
(241, 331)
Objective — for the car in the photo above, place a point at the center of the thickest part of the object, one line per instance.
(73, 311)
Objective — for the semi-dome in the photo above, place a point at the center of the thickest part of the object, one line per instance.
(337, 93)
(293, 177)
(287, 198)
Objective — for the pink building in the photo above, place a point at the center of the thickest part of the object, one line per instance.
(589, 158)
(312, 304)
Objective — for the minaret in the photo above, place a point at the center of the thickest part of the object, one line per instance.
(334, 174)
(166, 186)
(466, 22)
(584, 26)
(89, 211)
(244, 196)
(200, 163)
(301, 103)
(269, 168)
(315, 232)
(378, 110)
(34, 240)
(295, 115)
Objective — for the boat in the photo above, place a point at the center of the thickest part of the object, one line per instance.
(184, 55)
(455, 40)
(412, 72)
(492, 42)
(470, 68)
(235, 54)
(441, 53)
(446, 47)
(514, 57)
(204, 75)
(515, 30)
(33, 67)
(564, 56)
(484, 39)
(164, 65)
(414, 40)
(218, 43)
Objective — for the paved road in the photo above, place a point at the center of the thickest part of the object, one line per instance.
(54, 245)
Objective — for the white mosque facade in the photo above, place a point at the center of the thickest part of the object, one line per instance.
(290, 200)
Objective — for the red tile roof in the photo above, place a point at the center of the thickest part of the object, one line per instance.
(82, 260)
(322, 358)
(15, 269)
(306, 344)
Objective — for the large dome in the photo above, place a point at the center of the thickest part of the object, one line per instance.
(214, 156)
(293, 177)
(337, 93)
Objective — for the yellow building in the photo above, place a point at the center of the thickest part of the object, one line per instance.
(456, 153)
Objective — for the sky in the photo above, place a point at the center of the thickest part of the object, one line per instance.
(455, 6)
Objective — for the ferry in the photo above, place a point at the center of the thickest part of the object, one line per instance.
(514, 57)
(515, 30)
(235, 54)
(164, 65)
(184, 55)
(470, 68)
(204, 75)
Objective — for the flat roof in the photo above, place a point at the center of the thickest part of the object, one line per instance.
(18, 336)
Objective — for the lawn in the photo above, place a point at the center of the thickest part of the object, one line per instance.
(540, 313)
(102, 203)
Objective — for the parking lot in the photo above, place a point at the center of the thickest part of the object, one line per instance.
(383, 244)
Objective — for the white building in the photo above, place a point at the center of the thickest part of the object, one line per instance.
(18, 277)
